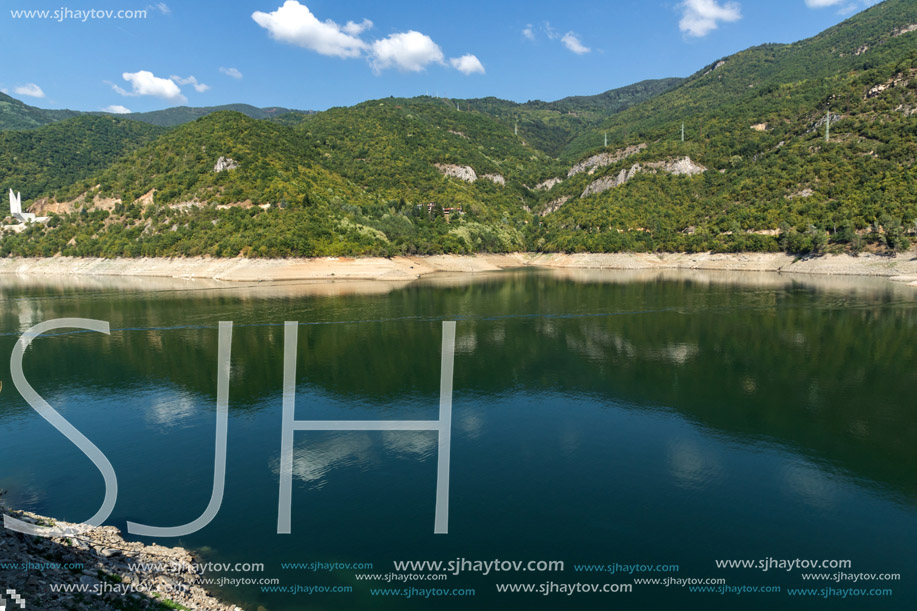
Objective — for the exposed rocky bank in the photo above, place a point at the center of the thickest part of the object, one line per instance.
(902, 268)
(99, 561)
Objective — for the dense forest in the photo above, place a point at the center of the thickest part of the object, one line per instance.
(806, 148)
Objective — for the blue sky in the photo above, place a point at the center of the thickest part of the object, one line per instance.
(315, 54)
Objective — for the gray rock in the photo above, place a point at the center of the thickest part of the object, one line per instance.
(548, 184)
(225, 163)
(677, 167)
(603, 159)
(462, 172)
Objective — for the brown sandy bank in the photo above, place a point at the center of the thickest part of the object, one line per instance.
(901, 268)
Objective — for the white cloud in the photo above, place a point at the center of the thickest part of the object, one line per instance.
(232, 72)
(408, 51)
(572, 42)
(145, 83)
(700, 17)
(467, 64)
(551, 32)
(30, 89)
(199, 87)
(294, 23)
(845, 7)
(355, 29)
(117, 109)
(162, 7)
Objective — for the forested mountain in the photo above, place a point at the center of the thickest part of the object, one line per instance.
(401, 148)
(170, 117)
(18, 115)
(45, 160)
(807, 147)
(780, 78)
(756, 122)
(550, 126)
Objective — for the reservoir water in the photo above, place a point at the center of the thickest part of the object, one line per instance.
(668, 420)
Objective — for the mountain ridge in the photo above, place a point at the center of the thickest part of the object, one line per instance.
(17, 115)
(757, 168)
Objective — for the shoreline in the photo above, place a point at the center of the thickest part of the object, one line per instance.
(111, 570)
(902, 268)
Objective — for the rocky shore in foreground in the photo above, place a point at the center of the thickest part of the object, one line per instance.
(95, 569)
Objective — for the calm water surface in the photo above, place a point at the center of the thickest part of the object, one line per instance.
(599, 417)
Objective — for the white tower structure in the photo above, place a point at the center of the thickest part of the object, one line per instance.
(16, 208)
